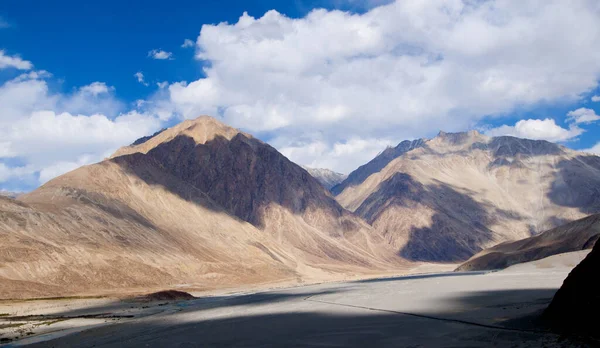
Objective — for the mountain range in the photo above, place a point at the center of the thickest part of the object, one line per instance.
(447, 198)
(200, 204)
(203, 205)
(327, 178)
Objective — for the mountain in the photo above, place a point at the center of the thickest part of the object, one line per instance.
(458, 193)
(327, 178)
(200, 204)
(576, 305)
(10, 194)
(376, 164)
(574, 236)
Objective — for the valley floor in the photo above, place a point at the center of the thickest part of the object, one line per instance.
(443, 309)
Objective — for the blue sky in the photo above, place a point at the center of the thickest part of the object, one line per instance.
(85, 41)
(328, 83)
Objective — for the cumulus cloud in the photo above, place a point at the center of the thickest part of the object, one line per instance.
(582, 115)
(187, 43)
(401, 70)
(140, 78)
(7, 173)
(49, 133)
(16, 62)
(96, 88)
(340, 155)
(546, 129)
(596, 98)
(160, 55)
(95, 98)
(594, 149)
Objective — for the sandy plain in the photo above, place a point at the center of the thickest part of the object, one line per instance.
(436, 309)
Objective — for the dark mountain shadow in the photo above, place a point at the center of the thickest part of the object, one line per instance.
(376, 164)
(577, 184)
(242, 176)
(460, 225)
(476, 324)
(576, 305)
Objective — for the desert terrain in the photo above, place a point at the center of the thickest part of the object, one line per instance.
(434, 309)
(266, 255)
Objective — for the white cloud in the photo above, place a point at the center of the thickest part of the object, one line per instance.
(16, 62)
(402, 70)
(340, 155)
(32, 75)
(594, 149)
(596, 98)
(163, 84)
(62, 167)
(160, 55)
(96, 98)
(96, 88)
(546, 129)
(140, 78)
(7, 173)
(53, 133)
(582, 115)
(187, 43)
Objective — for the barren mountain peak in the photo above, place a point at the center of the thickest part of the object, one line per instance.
(461, 138)
(202, 129)
(458, 193)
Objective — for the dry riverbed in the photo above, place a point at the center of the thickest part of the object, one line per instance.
(443, 309)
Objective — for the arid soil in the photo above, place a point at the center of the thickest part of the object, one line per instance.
(441, 310)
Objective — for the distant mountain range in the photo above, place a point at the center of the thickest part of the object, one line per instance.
(11, 194)
(327, 178)
(205, 205)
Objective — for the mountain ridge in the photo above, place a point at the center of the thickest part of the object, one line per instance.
(327, 177)
(200, 203)
(497, 188)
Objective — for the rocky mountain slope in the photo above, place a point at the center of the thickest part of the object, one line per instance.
(458, 193)
(376, 164)
(575, 307)
(200, 204)
(327, 178)
(574, 236)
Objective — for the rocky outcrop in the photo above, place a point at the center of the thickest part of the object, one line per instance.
(576, 305)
